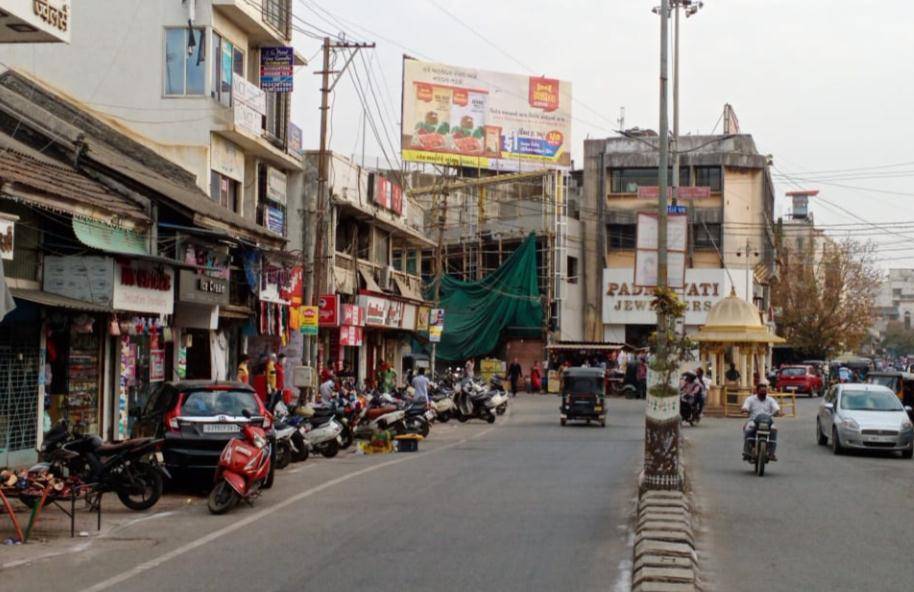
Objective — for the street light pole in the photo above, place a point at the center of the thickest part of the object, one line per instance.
(661, 437)
(675, 146)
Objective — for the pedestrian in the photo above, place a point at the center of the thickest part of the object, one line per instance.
(270, 372)
(704, 385)
(388, 378)
(326, 389)
(243, 374)
(515, 373)
(630, 382)
(536, 377)
(420, 387)
(641, 375)
(468, 368)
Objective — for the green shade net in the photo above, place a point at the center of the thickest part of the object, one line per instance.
(476, 312)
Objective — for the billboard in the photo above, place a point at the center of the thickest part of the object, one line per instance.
(465, 117)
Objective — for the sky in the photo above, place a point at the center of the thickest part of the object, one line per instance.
(824, 86)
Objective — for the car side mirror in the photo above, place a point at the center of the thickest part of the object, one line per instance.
(908, 408)
(829, 406)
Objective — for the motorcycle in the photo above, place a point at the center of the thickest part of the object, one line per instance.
(442, 402)
(380, 413)
(244, 469)
(323, 434)
(474, 401)
(132, 469)
(688, 409)
(756, 451)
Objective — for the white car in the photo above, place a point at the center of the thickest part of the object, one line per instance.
(864, 416)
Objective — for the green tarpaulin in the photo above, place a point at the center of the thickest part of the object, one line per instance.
(477, 312)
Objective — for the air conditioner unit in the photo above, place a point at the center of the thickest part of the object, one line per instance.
(386, 277)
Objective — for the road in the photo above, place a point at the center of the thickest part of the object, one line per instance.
(814, 522)
(519, 506)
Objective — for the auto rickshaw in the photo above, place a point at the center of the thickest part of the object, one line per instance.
(901, 383)
(583, 395)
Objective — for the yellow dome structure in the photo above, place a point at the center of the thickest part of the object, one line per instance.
(733, 335)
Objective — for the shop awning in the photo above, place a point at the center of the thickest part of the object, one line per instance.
(368, 277)
(231, 311)
(579, 345)
(105, 237)
(56, 301)
(406, 289)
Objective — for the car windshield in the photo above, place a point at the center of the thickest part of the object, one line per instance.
(889, 381)
(793, 372)
(582, 385)
(211, 403)
(870, 401)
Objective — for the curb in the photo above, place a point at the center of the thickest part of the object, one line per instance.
(665, 558)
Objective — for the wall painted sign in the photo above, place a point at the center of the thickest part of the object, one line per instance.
(468, 117)
(625, 303)
(276, 69)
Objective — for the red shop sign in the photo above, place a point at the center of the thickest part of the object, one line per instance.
(353, 315)
(329, 310)
(351, 336)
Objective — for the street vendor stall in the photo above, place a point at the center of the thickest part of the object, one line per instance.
(733, 333)
(579, 353)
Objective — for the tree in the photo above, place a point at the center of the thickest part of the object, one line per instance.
(898, 339)
(824, 297)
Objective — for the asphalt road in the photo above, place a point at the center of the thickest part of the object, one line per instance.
(522, 505)
(814, 522)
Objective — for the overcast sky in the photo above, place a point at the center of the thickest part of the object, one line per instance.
(824, 86)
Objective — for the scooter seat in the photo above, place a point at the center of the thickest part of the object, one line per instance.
(115, 447)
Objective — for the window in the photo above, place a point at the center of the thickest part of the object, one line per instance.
(185, 67)
(621, 236)
(572, 270)
(382, 248)
(628, 180)
(224, 190)
(277, 118)
(706, 235)
(228, 62)
(708, 176)
(276, 14)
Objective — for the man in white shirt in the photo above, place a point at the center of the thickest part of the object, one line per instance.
(420, 386)
(761, 404)
(326, 390)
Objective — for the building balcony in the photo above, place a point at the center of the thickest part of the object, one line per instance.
(351, 276)
(267, 22)
(244, 126)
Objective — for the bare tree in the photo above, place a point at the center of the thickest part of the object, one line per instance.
(824, 298)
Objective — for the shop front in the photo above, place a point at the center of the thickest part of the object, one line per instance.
(390, 327)
(344, 325)
(105, 366)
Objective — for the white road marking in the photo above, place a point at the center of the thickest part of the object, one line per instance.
(153, 563)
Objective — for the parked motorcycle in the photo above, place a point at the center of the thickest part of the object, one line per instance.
(133, 469)
(244, 469)
(757, 448)
(324, 431)
(443, 404)
(380, 413)
(474, 401)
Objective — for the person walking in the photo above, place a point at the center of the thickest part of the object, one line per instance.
(468, 369)
(515, 373)
(243, 373)
(536, 377)
(642, 378)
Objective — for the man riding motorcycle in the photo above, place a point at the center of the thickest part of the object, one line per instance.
(756, 405)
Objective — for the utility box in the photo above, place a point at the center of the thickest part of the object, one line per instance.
(303, 376)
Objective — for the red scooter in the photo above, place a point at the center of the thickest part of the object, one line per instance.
(244, 469)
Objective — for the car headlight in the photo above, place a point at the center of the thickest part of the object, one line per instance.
(907, 426)
(259, 441)
(849, 424)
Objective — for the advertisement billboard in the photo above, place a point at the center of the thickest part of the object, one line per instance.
(466, 117)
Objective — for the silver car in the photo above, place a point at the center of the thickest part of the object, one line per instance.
(864, 416)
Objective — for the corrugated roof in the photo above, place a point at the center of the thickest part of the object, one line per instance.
(63, 188)
(56, 301)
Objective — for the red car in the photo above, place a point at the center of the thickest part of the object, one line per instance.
(799, 379)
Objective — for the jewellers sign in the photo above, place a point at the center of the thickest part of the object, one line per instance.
(624, 303)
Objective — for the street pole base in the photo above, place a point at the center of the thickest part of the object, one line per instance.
(660, 482)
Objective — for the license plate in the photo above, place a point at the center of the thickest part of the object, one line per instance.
(879, 438)
(598, 408)
(160, 458)
(219, 428)
(791, 388)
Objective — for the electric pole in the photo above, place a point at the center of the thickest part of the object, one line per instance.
(661, 438)
(690, 7)
(439, 269)
(314, 278)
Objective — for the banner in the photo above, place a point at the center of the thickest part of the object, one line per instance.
(276, 69)
(329, 307)
(309, 320)
(465, 117)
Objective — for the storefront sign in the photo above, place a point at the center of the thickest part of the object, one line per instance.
(226, 158)
(202, 289)
(646, 258)
(276, 185)
(276, 69)
(422, 319)
(310, 316)
(294, 143)
(248, 94)
(624, 303)
(394, 314)
(7, 229)
(247, 119)
(157, 365)
(387, 194)
(143, 287)
(436, 317)
(375, 310)
(35, 21)
(276, 220)
(653, 192)
(55, 14)
(85, 278)
(329, 307)
(408, 321)
(434, 333)
(352, 336)
(353, 315)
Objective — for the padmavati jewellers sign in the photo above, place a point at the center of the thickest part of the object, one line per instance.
(627, 304)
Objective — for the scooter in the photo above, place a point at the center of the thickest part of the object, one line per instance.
(443, 404)
(473, 401)
(244, 469)
(688, 409)
(381, 413)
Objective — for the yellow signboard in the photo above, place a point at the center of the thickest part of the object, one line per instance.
(309, 320)
(489, 367)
